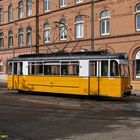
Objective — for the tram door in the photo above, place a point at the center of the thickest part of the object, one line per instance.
(16, 73)
(94, 79)
(103, 74)
(109, 83)
(100, 82)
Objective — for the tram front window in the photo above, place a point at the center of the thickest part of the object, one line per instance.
(124, 70)
(10, 68)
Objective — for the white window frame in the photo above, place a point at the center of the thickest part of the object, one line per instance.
(10, 39)
(29, 37)
(63, 3)
(78, 1)
(21, 10)
(79, 28)
(29, 8)
(10, 13)
(46, 5)
(1, 67)
(1, 15)
(2, 40)
(137, 14)
(47, 33)
(106, 20)
(63, 33)
(20, 37)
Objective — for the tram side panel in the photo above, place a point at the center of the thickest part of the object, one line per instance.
(110, 87)
(53, 84)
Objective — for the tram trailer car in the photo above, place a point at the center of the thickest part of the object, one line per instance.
(80, 73)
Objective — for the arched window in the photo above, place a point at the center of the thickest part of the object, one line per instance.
(138, 17)
(10, 39)
(46, 5)
(63, 29)
(10, 13)
(29, 36)
(1, 15)
(137, 71)
(21, 9)
(47, 29)
(1, 67)
(79, 26)
(105, 23)
(1, 40)
(20, 37)
(63, 3)
(29, 8)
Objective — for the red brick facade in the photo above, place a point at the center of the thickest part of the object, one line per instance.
(123, 35)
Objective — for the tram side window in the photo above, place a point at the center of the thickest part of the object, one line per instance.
(30, 68)
(114, 68)
(64, 69)
(38, 68)
(47, 70)
(19, 68)
(73, 69)
(35, 68)
(51, 69)
(104, 68)
(55, 70)
(93, 68)
(70, 68)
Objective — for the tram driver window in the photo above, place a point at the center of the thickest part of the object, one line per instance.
(104, 68)
(114, 68)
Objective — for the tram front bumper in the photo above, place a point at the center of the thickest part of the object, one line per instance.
(128, 91)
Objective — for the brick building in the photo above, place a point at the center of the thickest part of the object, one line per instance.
(46, 26)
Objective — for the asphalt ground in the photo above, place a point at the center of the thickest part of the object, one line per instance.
(58, 117)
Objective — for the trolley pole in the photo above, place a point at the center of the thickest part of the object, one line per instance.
(92, 25)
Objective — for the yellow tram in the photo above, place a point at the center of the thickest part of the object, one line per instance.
(80, 73)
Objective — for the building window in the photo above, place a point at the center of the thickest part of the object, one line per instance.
(10, 13)
(10, 39)
(20, 38)
(79, 26)
(105, 23)
(63, 29)
(29, 36)
(137, 65)
(29, 8)
(138, 17)
(1, 40)
(78, 1)
(1, 15)
(63, 3)
(1, 67)
(21, 10)
(46, 5)
(47, 29)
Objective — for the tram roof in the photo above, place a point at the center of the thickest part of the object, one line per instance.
(70, 56)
